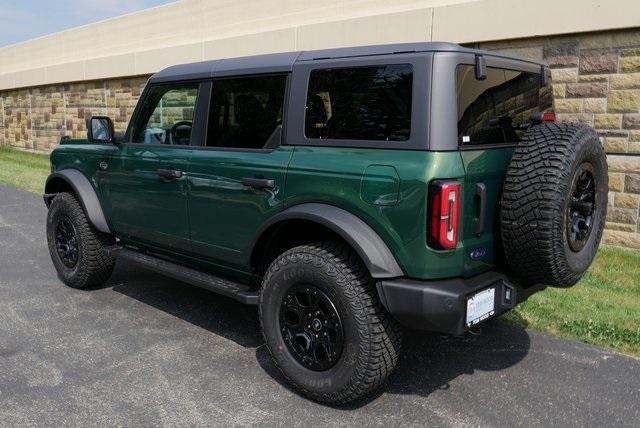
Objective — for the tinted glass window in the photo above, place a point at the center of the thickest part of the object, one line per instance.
(246, 112)
(363, 103)
(492, 111)
(166, 115)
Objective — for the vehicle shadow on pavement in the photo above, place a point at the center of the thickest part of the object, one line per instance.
(218, 314)
(429, 362)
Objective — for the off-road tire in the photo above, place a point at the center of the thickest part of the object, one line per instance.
(372, 337)
(536, 202)
(94, 265)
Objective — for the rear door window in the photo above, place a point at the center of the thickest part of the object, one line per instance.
(496, 110)
(360, 103)
(246, 112)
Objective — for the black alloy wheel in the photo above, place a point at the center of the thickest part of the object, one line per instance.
(311, 327)
(581, 208)
(66, 242)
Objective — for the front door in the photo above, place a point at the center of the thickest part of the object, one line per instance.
(237, 179)
(147, 187)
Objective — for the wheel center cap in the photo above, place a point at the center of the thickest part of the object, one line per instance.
(316, 324)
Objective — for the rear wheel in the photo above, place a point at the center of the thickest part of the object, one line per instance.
(77, 249)
(324, 324)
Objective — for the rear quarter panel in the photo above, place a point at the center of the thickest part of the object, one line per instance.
(336, 176)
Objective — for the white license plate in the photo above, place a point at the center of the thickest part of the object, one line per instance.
(480, 306)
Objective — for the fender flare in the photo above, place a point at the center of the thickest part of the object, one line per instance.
(373, 251)
(85, 192)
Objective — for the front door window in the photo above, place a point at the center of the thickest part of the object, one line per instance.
(166, 115)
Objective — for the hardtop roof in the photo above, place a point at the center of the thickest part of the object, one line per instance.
(283, 62)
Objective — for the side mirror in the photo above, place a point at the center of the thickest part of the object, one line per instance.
(100, 129)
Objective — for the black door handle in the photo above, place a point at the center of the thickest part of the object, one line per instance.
(480, 202)
(169, 174)
(258, 183)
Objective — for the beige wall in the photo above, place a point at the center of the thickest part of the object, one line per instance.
(49, 86)
(596, 80)
(194, 30)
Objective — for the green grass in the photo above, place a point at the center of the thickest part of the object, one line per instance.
(603, 309)
(25, 170)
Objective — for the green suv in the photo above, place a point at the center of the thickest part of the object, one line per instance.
(346, 192)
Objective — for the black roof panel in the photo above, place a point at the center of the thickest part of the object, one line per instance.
(283, 62)
(379, 50)
(256, 64)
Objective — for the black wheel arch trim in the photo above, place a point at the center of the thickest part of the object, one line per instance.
(373, 251)
(85, 192)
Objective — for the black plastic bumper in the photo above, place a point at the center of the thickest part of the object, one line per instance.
(441, 306)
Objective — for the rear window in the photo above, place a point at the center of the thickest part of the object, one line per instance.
(494, 110)
(360, 103)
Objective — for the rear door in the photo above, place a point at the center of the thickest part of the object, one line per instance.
(491, 115)
(147, 189)
(237, 178)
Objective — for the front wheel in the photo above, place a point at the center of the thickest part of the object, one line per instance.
(77, 249)
(324, 324)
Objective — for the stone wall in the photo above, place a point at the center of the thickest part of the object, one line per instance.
(36, 118)
(596, 81)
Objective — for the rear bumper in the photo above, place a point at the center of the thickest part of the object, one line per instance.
(441, 306)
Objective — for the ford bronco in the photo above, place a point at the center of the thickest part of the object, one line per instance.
(346, 192)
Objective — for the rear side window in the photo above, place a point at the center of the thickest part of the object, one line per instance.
(494, 110)
(360, 103)
(246, 112)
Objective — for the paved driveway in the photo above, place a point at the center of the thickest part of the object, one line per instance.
(145, 350)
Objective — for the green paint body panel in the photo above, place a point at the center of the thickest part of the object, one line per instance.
(380, 185)
(143, 206)
(336, 175)
(487, 167)
(208, 219)
(225, 215)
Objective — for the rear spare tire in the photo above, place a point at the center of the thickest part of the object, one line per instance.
(554, 204)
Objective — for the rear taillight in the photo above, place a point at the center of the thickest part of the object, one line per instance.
(549, 117)
(539, 117)
(444, 219)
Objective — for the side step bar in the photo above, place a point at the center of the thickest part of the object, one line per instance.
(237, 291)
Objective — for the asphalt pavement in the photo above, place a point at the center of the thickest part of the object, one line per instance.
(145, 350)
